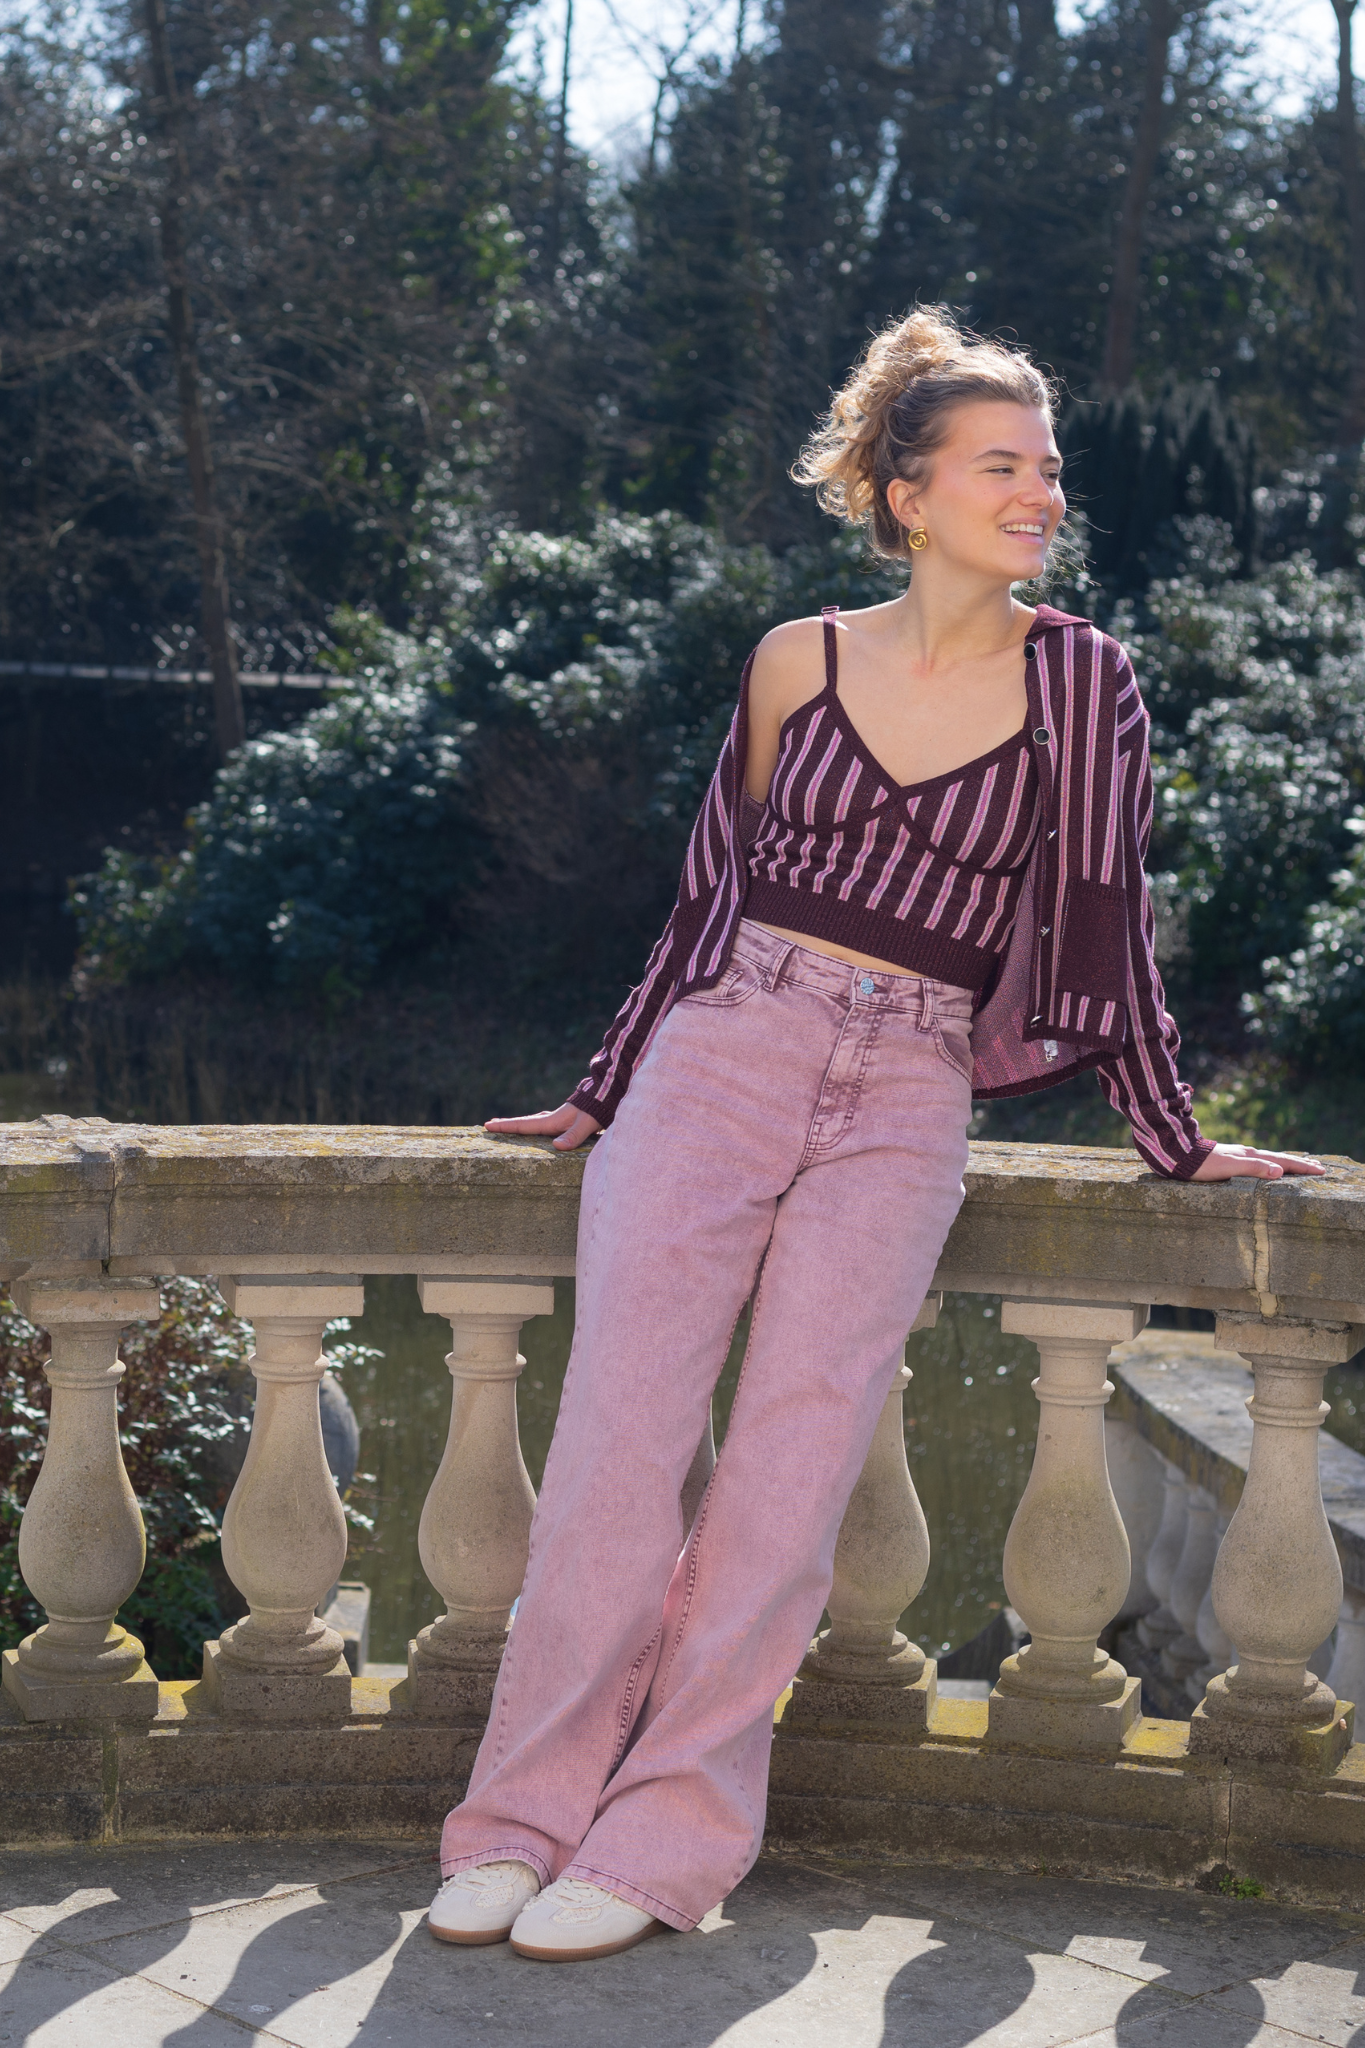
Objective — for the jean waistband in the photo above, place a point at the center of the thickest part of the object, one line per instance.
(778, 960)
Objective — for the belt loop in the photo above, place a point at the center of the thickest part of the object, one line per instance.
(926, 1004)
(779, 967)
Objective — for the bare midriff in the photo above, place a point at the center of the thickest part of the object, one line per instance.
(837, 952)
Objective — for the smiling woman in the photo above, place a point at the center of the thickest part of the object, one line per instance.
(918, 872)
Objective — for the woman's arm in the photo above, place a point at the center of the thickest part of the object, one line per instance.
(1143, 1081)
(711, 848)
(788, 670)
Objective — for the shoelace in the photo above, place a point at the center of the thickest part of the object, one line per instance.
(577, 1892)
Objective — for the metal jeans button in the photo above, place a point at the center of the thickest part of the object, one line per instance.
(867, 985)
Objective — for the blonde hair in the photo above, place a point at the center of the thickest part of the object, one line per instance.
(894, 411)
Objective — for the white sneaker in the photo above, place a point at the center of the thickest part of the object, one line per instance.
(479, 1905)
(572, 1921)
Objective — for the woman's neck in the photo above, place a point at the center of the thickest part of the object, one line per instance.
(942, 623)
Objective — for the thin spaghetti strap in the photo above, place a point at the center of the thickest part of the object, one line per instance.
(829, 614)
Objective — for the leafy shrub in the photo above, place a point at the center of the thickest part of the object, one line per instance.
(538, 755)
(321, 851)
(1257, 690)
(1313, 1004)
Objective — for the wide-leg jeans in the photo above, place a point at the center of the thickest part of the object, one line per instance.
(796, 1135)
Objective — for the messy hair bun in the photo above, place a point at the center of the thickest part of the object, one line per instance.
(894, 411)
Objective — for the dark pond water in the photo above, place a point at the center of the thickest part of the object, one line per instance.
(970, 1424)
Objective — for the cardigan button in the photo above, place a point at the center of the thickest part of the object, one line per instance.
(1042, 736)
(1030, 651)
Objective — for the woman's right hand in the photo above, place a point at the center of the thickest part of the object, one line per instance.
(569, 1127)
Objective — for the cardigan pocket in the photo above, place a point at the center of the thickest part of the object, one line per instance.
(1093, 957)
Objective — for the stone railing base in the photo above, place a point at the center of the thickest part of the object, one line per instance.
(1154, 1814)
(1320, 1748)
(39, 1698)
(820, 1704)
(1085, 1726)
(234, 1689)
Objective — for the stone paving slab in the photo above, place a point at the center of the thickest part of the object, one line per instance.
(321, 1945)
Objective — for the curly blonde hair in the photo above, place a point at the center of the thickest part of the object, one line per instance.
(894, 411)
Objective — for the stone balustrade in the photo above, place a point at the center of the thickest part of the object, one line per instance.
(1154, 1552)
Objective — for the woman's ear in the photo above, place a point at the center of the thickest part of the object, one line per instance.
(903, 499)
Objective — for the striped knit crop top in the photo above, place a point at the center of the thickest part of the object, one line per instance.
(927, 875)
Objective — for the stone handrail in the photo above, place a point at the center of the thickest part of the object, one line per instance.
(1078, 1242)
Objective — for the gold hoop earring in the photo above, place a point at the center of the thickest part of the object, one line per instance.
(917, 538)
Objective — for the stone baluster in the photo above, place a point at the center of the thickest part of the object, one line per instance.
(1066, 1556)
(1136, 1475)
(1277, 1583)
(1347, 1674)
(1192, 1579)
(861, 1668)
(476, 1524)
(81, 1541)
(1160, 1626)
(1218, 1650)
(284, 1532)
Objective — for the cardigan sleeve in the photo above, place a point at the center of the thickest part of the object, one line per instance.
(696, 940)
(1142, 1081)
(601, 1091)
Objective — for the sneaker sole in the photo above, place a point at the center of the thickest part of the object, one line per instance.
(586, 1955)
(482, 1939)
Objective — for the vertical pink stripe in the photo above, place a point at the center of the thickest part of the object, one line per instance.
(1002, 897)
(813, 786)
(973, 899)
(836, 847)
(855, 873)
(889, 866)
(945, 891)
(945, 812)
(915, 884)
(791, 774)
(980, 814)
(846, 793)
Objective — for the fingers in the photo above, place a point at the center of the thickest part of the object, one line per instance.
(544, 1124)
(567, 1126)
(1249, 1162)
(580, 1130)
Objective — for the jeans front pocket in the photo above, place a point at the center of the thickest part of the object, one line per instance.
(953, 1040)
(738, 982)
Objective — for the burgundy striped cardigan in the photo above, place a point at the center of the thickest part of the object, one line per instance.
(1077, 985)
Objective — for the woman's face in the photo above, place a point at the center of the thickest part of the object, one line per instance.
(993, 499)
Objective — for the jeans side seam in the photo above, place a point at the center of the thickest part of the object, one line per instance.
(694, 1547)
(502, 1682)
(628, 1697)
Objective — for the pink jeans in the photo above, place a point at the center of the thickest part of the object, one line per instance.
(802, 1126)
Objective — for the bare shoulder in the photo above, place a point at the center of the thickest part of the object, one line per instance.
(788, 670)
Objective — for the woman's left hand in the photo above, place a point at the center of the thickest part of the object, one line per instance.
(1237, 1162)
